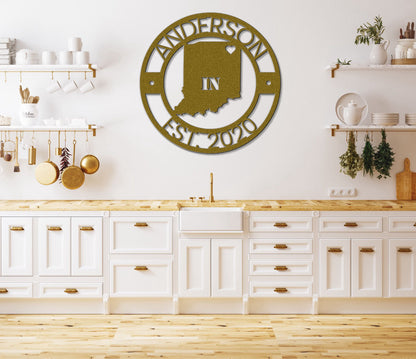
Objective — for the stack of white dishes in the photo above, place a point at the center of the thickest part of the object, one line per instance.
(410, 119)
(384, 119)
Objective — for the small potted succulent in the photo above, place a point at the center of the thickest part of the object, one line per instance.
(367, 33)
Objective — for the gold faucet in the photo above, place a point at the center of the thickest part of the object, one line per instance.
(211, 196)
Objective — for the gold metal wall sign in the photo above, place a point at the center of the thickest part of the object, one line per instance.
(210, 83)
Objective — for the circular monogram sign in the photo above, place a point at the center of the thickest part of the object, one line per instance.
(210, 83)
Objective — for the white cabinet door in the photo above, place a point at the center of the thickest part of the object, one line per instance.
(334, 267)
(226, 267)
(86, 233)
(54, 240)
(194, 268)
(366, 267)
(16, 246)
(402, 271)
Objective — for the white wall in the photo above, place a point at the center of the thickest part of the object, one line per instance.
(294, 158)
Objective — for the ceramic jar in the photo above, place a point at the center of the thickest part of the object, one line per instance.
(29, 114)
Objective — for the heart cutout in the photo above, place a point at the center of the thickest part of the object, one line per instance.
(230, 49)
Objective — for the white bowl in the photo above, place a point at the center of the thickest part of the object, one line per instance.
(385, 122)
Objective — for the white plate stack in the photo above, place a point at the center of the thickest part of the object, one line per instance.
(7, 51)
(410, 119)
(385, 119)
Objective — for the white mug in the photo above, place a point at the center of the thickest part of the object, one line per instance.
(54, 86)
(48, 58)
(86, 86)
(400, 52)
(69, 86)
(74, 44)
(65, 58)
(411, 53)
(82, 57)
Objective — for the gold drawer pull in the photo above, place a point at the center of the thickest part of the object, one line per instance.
(280, 246)
(71, 290)
(280, 224)
(350, 224)
(404, 250)
(16, 228)
(366, 250)
(141, 268)
(86, 228)
(53, 228)
(280, 290)
(3, 291)
(281, 268)
(335, 250)
(141, 224)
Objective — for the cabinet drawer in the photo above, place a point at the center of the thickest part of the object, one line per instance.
(280, 267)
(15, 290)
(402, 224)
(351, 224)
(280, 289)
(141, 235)
(141, 278)
(70, 290)
(281, 245)
(277, 224)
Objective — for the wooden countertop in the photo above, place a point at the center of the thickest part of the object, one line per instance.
(173, 205)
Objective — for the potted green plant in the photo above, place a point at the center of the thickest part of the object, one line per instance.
(372, 33)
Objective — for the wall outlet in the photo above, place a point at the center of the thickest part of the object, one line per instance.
(342, 192)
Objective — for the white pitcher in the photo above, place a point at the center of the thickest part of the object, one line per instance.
(378, 54)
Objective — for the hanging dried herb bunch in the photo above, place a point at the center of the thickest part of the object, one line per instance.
(64, 162)
(351, 161)
(384, 157)
(368, 157)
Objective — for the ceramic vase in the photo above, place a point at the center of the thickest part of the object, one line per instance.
(378, 54)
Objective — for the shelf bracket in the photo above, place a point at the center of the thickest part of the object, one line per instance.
(94, 71)
(333, 69)
(334, 129)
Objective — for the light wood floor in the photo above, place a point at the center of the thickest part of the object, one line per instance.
(217, 336)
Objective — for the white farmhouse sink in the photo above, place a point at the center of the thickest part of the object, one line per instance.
(211, 219)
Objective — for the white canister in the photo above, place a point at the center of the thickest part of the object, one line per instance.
(65, 58)
(82, 57)
(48, 58)
(400, 52)
(411, 53)
(74, 44)
(29, 114)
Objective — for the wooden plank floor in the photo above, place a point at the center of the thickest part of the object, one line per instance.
(216, 336)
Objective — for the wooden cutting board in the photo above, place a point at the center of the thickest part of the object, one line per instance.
(406, 183)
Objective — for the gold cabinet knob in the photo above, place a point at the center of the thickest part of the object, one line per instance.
(71, 290)
(54, 228)
(281, 268)
(3, 291)
(366, 250)
(16, 228)
(350, 224)
(280, 246)
(141, 224)
(335, 250)
(404, 250)
(141, 268)
(280, 290)
(86, 228)
(280, 224)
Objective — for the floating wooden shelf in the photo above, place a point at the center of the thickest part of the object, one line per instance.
(337, 67)
(370, 128)
(52, 69)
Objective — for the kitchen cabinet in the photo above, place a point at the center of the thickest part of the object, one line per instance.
(402, 269)
(210, 267)
(16, 246)
(350, 267)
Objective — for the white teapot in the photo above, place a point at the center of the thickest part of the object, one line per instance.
(351, 114)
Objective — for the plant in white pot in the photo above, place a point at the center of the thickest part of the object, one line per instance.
(373, 33)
